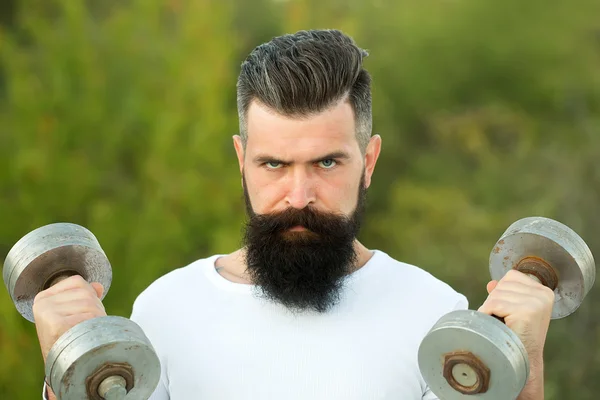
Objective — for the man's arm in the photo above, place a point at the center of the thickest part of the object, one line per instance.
(526, 307)
(534, 388)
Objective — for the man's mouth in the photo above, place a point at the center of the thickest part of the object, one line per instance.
(297, 228)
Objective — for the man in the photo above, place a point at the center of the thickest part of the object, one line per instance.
(303, 310)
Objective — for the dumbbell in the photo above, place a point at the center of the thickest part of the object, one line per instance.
(104, 358)
(469, 353)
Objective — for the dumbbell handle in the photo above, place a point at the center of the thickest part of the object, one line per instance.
(113, 388)
(538, 270)
(58, 277)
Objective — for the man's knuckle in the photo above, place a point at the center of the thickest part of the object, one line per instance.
(39, 307)
(89, 303)
(39, 297)
(546, 295)
(79, 281)
(84, 293)
(513, 274)
(89, 315)
(549, 294)
(537, 304)
(36, 304)
(493, 303)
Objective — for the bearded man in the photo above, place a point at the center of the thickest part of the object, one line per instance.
(303, 310)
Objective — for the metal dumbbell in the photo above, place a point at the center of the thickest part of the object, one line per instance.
(105, 358)
(470, 353)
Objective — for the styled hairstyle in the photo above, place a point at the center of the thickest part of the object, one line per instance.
(302, 74)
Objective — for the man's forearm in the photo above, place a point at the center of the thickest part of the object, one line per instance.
(534, 388)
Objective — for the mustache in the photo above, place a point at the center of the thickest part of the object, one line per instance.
(323, 223)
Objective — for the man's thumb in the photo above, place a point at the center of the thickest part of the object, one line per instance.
(491, 286)
(98, 288)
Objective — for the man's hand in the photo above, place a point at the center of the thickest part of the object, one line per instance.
(526, 306)
(62, 306)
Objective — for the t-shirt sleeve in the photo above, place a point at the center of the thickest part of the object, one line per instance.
(142, 314)
(428, 395)
(461, 304)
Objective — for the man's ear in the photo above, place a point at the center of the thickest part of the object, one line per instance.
(239, 151)
(371, 156)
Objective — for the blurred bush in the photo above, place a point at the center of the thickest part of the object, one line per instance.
(118, 115)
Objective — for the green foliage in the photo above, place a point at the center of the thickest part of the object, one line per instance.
(118, 115)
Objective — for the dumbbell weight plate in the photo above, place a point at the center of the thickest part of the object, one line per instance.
(495, 346)
(78, 361)
(556, 244)
(47, 251)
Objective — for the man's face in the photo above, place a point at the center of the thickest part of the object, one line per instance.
(304, 182)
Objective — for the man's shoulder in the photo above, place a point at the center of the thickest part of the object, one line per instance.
(174, 283)
(420, 285)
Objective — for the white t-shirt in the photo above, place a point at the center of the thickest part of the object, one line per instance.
(217, 341)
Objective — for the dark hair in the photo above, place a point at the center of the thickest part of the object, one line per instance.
(304, 73)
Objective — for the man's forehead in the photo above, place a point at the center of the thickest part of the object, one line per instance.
(334, 127)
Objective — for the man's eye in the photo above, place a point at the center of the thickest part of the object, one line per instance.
(327, 163)
(273, 164)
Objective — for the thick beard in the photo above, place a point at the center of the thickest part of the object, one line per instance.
(302, 270)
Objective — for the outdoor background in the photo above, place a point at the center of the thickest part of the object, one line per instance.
(118, 115)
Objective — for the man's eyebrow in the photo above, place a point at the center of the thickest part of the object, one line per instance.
(338, 155)
(263, 158)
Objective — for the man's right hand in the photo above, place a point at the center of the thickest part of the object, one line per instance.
(64, 305)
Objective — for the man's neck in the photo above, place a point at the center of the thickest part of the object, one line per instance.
(233, 266)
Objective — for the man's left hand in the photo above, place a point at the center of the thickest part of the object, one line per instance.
(526, 306)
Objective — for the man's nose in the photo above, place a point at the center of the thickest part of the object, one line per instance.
(301, 191)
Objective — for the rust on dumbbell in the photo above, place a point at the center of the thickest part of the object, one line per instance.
(497, 249)
(469, 359)
(539, 268)
(104, 371)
